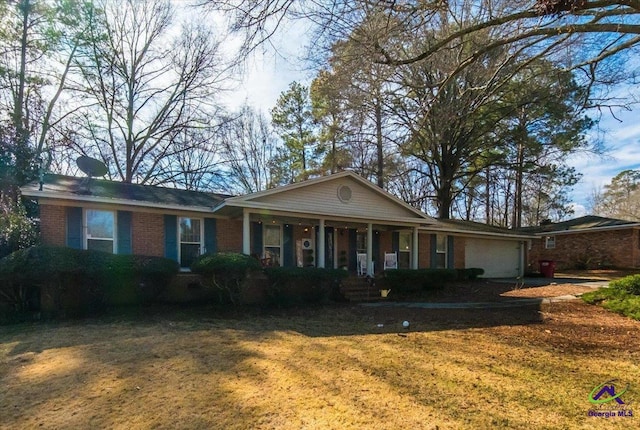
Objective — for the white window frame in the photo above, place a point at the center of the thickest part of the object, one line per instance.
(87, 237)
(180, 242)
(549, 242)
(408, 250)
(280, 239)
(442, 251)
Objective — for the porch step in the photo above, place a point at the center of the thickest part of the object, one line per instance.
(361, 290)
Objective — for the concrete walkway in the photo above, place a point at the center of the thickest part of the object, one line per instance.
(509, 303)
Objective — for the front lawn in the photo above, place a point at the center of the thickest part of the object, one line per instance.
(340, 367)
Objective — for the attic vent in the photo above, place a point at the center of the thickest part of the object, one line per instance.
(344, 193)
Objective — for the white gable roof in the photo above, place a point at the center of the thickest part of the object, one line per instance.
(342, 195)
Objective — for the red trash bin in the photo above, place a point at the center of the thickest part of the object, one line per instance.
(547, 268)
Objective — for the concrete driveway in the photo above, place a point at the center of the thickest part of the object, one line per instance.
(510, 303)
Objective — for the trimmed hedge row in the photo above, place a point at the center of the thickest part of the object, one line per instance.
(233, 274)
(64, 281)
(61, 281)
(290, 286)
(411, 281)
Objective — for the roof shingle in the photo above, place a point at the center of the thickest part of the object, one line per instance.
(120, 190)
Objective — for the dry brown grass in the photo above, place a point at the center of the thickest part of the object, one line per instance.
(329, 368)
(603, 274)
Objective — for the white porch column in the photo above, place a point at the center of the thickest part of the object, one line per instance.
(246, 232)
(321, 243)
(370, 249)
(414, 250)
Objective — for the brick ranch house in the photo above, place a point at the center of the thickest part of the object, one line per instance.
(322, 222)
(587, 242)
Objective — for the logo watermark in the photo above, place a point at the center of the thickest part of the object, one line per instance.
(608, 401)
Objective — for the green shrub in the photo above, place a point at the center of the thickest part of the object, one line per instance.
(628, 284)
(290, 286)
(40, 263)
(622, 296)
(410, 281)
(628, 306)
(595, 297)
(227, 272)
(71, 282)
(133, 279)
(470, 274)
(62, 280)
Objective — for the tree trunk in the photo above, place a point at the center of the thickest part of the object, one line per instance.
(444, 200)
(487, 203)
(22, 153)
(516, 221)
(18, 108)
(379, 142)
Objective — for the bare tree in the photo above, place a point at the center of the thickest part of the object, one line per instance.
(247, 147)
(151, 81)
(582, 34)
(620, 198)
(194, 162)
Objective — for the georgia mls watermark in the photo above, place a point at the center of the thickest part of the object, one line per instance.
(607, 401)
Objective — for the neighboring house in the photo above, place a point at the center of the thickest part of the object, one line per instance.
(587, 242)
(322, 222)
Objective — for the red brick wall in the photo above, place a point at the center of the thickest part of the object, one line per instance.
(147, 231)
(53, 226)
(229, 235)
(148, 236)
(611, 248)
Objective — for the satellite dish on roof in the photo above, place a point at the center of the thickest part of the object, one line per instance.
(91, 166)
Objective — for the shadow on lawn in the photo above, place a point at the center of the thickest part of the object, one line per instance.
(200, 363)
(337, 319)
(100, 367)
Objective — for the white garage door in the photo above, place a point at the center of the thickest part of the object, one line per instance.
(498, 258)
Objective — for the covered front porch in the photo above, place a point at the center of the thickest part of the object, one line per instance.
(295, 240)
(328, 222)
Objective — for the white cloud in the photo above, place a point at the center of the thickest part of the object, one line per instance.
(621, 141)
(265, 80)
(627, 132)
(578, 210)
(272, 67)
